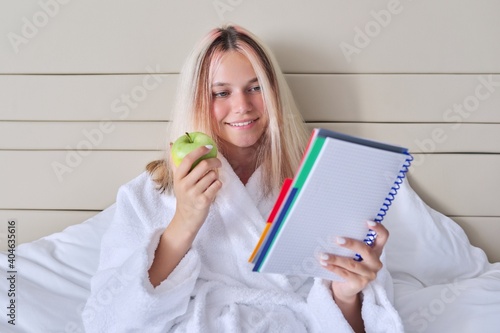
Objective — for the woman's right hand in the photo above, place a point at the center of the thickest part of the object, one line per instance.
(195, 190)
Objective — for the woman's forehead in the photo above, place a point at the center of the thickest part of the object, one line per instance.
(231, 65)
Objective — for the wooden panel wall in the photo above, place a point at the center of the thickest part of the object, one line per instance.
(86, 89)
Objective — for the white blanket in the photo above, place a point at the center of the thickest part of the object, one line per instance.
(213, 289)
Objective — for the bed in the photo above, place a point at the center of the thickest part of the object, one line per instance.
(84, 107)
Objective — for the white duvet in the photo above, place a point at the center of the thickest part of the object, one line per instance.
(442, 283)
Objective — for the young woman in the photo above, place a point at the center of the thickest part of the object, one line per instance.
(175, 256)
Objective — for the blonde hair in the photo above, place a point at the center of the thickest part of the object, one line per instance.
(284, 138)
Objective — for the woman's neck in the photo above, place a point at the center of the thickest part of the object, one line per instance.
(242, 160)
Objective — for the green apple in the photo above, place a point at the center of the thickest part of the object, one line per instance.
(189, 142)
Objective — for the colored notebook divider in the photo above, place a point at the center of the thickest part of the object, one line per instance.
(313, 136)
(280, 202)
(314, 148)
(272, 216)
(274, 230)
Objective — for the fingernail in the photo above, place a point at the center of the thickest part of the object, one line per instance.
(340, 240)
(371, 223)
(209, 147)
(323, 256)
(323, 263)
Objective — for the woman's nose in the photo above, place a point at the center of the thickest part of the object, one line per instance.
(241, 103)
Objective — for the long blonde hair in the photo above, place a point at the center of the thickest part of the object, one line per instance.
(286, 135)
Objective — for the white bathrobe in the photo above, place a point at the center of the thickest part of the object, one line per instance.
(213, 289)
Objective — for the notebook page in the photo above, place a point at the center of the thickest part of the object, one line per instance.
(346, 186)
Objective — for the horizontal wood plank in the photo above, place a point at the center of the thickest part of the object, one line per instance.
(453, 99)
(84, 180)
(116, 135)
(398, 98)
(103, 135)
(426, 138)
(314, 36)
(34, 224)
(86, 97)
(455, 184)
(127, 40)
(458, 184)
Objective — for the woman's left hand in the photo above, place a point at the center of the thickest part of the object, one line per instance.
(357, 274)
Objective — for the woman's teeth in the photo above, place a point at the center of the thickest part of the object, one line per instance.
(242, 124)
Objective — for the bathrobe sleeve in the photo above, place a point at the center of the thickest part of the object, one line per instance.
(122, 298)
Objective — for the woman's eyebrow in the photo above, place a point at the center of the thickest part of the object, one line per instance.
(221, 84)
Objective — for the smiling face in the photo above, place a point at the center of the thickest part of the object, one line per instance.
(237, 104)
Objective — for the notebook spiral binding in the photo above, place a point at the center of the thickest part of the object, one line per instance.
(394, 190)
(372, 235)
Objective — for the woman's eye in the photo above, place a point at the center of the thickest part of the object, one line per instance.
(256, 88)
(221, 94)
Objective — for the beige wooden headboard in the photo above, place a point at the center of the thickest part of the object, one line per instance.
(86, 88)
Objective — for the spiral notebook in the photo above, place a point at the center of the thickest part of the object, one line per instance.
(342, 182)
